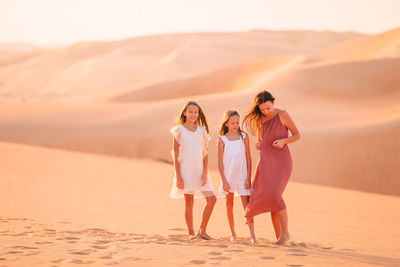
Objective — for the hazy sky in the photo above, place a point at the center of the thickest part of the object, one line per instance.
(68, 21)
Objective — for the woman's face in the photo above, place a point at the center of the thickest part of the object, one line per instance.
(266, 108)
(191, 113)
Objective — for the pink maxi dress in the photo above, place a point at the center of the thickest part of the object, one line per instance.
(273, 170)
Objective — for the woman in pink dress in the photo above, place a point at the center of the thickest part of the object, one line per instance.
(271, 126)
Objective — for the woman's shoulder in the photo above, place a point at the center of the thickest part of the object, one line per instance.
(283, 114)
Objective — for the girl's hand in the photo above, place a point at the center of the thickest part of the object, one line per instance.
(258, 145)
(226, 186)
(204, 179)
(179, 182)
(278, 143)
(247, 184)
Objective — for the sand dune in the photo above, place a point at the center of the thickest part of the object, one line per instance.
(128, 131)
(384, 45)
(69, 208)
(232, 79)
(104, 68)
(353, 103)
(12, 53)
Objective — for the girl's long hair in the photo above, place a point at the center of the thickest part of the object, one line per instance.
(227, 115)
(201, 120)
(253, 117)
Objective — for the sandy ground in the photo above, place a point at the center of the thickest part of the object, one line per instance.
(63, 208)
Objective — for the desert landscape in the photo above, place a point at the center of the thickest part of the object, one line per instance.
(85, 147)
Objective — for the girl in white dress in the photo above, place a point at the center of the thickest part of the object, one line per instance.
(190, 154)
(234, 163)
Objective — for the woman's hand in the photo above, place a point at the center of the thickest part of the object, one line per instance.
(258, 145)
(278, 143)
(179, 182)
(247, 183)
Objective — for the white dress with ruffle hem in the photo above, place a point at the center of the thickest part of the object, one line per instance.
(193, 147)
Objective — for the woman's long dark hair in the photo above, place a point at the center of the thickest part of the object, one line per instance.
(253, 117)
(201, 120)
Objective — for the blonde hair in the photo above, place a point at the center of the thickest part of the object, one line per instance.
(201, 120)
(227, 115)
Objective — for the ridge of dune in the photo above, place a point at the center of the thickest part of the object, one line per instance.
(383, 45)
(374, 79)
(231, 79)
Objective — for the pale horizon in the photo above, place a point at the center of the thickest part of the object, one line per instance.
(58, 22)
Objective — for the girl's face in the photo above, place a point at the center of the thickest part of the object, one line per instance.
(191, 113)
(266, 108)
(233, 123)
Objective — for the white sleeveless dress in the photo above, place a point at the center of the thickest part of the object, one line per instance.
(235, 167)
(193, 147)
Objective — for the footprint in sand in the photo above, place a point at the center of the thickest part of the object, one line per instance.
(214, 253)
(58, 261)
(297, 254)
(301, 244)
(107, 257)
(178, 229)
(81, 262)
(100, 247)
(80, 252)
(234, 250)
(221, 258)
(71, 238)
(23, 247)
(267, 258)
(43, 242)
(31, 254)
(102, 241)
(3, 259)
(295, 250)
(197, 261)
(14, 252)
(347, 249)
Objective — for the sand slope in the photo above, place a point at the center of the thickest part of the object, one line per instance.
(13, 53)
(384, 45)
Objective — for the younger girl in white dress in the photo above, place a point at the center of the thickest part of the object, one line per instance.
(234, 163)
(190, 154)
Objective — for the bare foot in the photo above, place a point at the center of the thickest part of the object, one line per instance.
(253, 241)
(282, 239)
(204, 235)
(191, 236)
(233, 239)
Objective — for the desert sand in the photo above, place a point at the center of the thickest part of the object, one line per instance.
(64, 208)
(85, 148)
